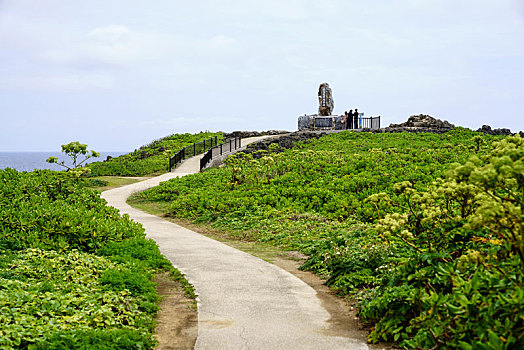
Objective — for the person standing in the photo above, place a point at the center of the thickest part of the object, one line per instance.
(355, 119)
(349, 120)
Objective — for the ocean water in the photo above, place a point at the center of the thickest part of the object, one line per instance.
(29, 161)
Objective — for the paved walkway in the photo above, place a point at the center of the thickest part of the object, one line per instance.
(243, 301)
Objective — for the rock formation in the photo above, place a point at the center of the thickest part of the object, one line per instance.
(283, 141)
(486, 129)
(246, 134)
(421, 123)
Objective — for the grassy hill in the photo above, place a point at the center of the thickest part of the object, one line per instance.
(423, 231)
(152, 158)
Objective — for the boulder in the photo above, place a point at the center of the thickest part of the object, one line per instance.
(486, 129)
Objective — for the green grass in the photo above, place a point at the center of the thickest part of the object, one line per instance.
(103, 183)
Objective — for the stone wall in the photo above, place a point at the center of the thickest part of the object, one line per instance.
(283, 141)
(426, 123)
(246, 134)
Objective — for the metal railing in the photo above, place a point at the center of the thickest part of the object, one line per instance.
(227, 146)
(364, 123)
(190, 151)
(371, 123)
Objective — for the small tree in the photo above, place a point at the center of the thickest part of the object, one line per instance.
(74, 150)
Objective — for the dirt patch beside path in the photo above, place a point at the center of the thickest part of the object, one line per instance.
(177, 320)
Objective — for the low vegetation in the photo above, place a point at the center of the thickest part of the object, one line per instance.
(103, 183)
(152, 158)
(423, 231)
(73, 272)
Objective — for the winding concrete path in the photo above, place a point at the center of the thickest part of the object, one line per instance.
(243, 301)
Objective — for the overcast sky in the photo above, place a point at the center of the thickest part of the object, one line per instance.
(116, 74)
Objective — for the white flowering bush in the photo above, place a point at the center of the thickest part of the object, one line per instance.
(459, 281)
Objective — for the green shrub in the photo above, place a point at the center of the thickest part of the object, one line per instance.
(460, 283)
(126, 279)
(97, 183)
(135, 251)
(97, 339)
(45, 292)
(144, 253)
(54, 291)
(49, 210)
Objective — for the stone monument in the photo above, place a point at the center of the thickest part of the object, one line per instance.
(324, 120)
(326, 104)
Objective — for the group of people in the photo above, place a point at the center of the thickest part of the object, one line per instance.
(351, 119)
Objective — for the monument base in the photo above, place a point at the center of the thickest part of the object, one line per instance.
(316, 122)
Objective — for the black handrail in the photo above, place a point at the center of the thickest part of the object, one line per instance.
(227, 146)
(371, 123)
(190, 151)
(206, 158)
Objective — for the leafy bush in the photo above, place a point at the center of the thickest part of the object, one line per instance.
(44, 292)
(144, 254)
(460, 283)
(49, 210)
(97, 183)
(138, 251)
(100, 339)
(126, 279)
(54, 291)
